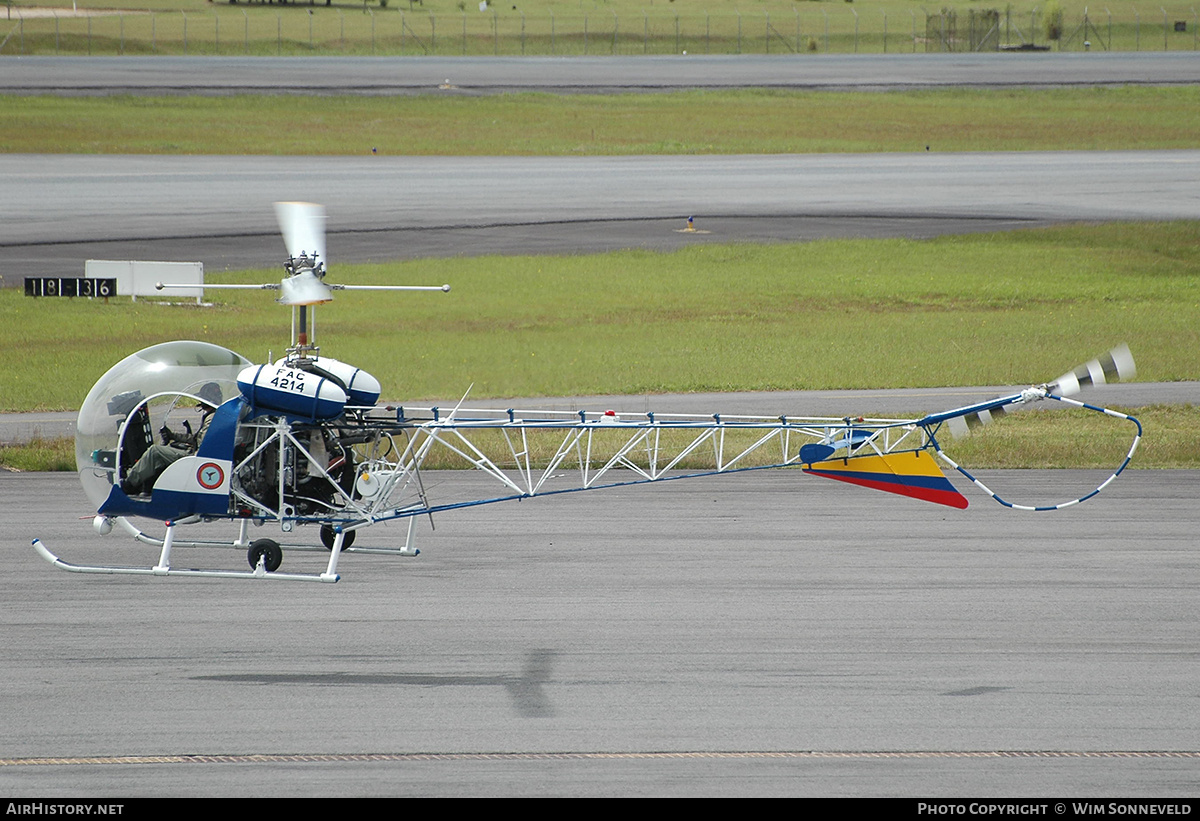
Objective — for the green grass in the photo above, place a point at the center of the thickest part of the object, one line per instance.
(39, 455)
(1008, 308)
(594, 27)
(1047, 438)
(709, 122)
(1011, 308)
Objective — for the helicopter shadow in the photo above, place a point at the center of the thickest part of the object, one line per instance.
(527, 689)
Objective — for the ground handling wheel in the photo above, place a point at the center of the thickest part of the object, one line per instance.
(328, 536)
(270, 552)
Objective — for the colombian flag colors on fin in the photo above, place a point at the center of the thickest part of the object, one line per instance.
(910, 473)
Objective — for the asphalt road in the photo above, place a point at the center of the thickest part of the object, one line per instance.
(63, 210)
(490, 75)
(773, 634)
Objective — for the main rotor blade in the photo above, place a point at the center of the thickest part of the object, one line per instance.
(303, 227)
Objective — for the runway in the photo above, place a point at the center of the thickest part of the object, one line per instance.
(218, 210)
(765, 634)
(756, 635)
(450, 76)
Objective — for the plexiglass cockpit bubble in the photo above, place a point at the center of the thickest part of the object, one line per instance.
(162, 379)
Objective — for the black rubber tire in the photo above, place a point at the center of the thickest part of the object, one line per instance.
(327, 537)
(269, 550)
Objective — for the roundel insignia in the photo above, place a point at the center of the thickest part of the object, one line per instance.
(210, 476)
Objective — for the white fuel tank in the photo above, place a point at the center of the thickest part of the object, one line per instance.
(362, 389)
(291, 391)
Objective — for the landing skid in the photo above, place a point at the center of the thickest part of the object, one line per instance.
(259, 572)
(265, 556)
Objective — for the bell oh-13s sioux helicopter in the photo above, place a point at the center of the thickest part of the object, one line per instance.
(303, 441)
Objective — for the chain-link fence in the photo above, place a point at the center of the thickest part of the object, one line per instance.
(291, 30)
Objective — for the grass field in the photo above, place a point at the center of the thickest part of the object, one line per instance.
(980, 309)
(597, 27)
(1011, 308)
(709, 122)
(1005, 309)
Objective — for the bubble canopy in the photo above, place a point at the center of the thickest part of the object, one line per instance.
(161, 374)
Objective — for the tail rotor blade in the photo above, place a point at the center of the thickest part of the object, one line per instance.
(1115, 366)
(963, 425)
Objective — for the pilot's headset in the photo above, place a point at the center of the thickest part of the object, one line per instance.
(210, 394)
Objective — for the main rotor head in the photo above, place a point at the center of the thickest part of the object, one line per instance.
(303, 228)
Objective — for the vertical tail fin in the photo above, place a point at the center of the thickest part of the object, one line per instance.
(911, 473)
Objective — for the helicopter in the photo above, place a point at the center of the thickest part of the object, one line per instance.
(304, 442)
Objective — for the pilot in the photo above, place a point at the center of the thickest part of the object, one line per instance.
(175, 446)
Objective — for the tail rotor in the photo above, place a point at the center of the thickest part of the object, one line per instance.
(1115, 366)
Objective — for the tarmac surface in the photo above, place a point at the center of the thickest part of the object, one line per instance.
(767, 634)
(457, 76)
(218, 210)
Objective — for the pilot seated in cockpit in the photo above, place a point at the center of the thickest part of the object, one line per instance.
(150, 465)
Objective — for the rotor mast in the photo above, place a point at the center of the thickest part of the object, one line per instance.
(304, 287)
(303, 227)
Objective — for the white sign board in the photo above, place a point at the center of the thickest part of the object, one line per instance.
(138, 278)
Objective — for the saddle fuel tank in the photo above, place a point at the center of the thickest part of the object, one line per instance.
(292, 392)
(362, 389)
